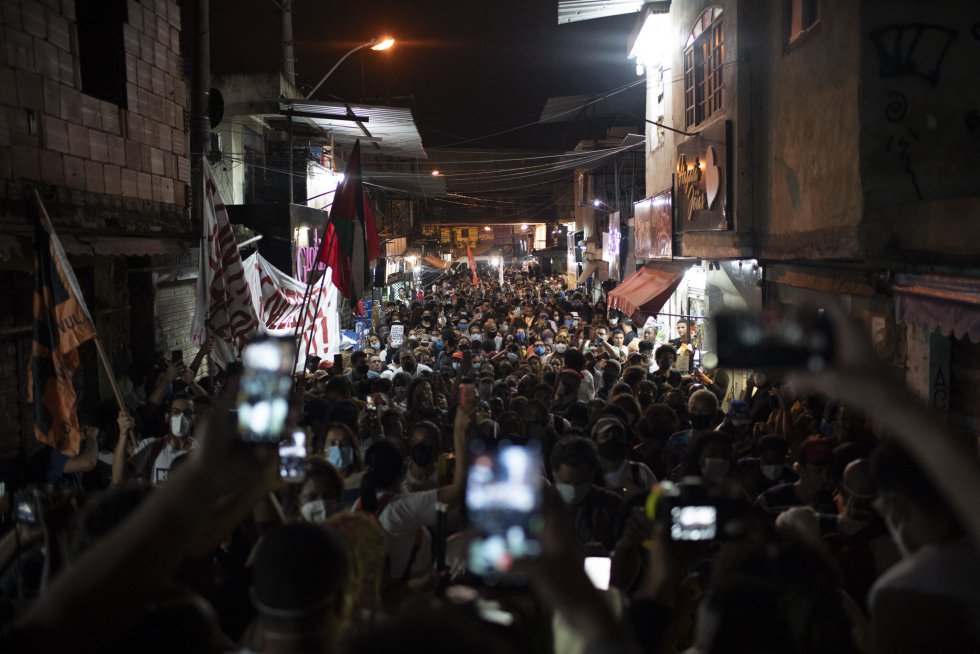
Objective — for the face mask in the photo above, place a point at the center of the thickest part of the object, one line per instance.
(476, 337)
(437, 345)
(339, 457)
(422, 454)
(571, 493)
(701, 421)
(715, 470)
(506, 328)
(180, 425)
(614, 321)
(409, 366)
(512, 357)
(521, 336)
(539, 350)
(455, 365)
(462, 326)
(612, 450)
(375, 344)
(772, 472)
(561, 347)
(568, 323)
(318, 511)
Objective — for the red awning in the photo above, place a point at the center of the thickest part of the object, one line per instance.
(647, 290)
(945, 303)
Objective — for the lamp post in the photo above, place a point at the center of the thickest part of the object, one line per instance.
(378, 44)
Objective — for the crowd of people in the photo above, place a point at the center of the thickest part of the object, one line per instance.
(834, 521)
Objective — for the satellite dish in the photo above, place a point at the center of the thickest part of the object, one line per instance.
(216, 107)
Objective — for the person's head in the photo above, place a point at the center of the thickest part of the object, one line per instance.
(683, 328)
(342, 448)
(574, 461)
(601, 332)
(659, 422)
(702, 409)
(180, 416)
(321, 492)
(617, 338)
(858, 490)
(407, 361)
(299, 584)
(374, 362)
(392, 424)
(611, 441)
(575, 360)
(772, 450)
(424, 443)
(385, 470)
(649, 334)
(364, 541)
(814, 459)
(710, 456)
(338, 388)
(665, 357)
(909, 501)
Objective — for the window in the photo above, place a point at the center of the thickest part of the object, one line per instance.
(101, 56)
(704, 61)
(464, 233)
(803, 15)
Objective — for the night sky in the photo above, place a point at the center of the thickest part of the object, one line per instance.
(466, 68)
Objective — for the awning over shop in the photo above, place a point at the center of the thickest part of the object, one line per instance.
(647, 290)
(12, 245)
(396, 247)
(433, 260)
(945, 303)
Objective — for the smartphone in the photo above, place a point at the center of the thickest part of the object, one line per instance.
(774, 339)
(177, 356)
(695, 522)
(370, 405)
(28, 511)
(503, 502)
(292, 451)
(598, 569)
(338, 364)
(263, 396)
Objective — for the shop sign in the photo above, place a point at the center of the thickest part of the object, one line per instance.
(702, 181)
(653, 227)
(306, 257)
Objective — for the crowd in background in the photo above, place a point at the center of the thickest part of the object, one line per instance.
(166, 533)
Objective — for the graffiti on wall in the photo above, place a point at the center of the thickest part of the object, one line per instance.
(915, 49)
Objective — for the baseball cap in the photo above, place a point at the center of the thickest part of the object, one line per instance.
(457, 355)
(817, 451)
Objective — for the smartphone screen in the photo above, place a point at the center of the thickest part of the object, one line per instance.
(177, 356)
(263, 396)
(695, 522)
(27, 511)
(598, 569)
(292, 451)
(503, 501)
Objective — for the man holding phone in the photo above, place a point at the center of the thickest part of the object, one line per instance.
(153, 457)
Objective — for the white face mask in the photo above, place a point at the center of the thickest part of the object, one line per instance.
(572, 493)
(340, 457)
(715, 470)
(180, 425)
(614, 321)
(772, 472)
(316, 511)
(560, 347)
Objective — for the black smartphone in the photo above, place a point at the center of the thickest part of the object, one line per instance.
(503, 502)
(338, 364)
(177, 356)
(791, 338)
(263, 395)
(292, 452)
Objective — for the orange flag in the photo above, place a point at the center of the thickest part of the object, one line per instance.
(61, 323)
(472, 261)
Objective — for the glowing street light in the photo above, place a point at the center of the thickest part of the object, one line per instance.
(380, 43)
(523, 228)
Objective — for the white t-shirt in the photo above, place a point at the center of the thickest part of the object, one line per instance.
(160, 468)
(628, 475)
(402, 518)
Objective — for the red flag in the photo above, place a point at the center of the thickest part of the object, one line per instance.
(61, 323)
(472, 262)
(351, 240)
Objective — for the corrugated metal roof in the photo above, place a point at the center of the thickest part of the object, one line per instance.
(570, 11)
(389, 131)
(569, 108)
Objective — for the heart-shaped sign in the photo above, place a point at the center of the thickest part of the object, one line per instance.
(712, 177)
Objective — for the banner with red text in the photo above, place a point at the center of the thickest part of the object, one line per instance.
(278, 298)
(224, 306)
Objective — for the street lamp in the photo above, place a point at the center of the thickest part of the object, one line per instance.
(378, 44)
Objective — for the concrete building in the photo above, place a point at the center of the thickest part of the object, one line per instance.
(93, 105)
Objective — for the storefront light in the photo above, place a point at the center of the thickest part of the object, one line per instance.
(653, 40)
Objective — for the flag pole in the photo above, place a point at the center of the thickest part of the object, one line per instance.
(103, 358)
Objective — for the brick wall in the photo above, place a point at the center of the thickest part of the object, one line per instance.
(52, 133)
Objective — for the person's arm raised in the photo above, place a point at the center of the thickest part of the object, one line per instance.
(864, 382)
(106, 586)
(452, 494)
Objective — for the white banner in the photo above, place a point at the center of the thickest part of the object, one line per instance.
(224, 307)
(277, 299)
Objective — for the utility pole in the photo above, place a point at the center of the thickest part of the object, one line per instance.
(288, 61)
(200, 96)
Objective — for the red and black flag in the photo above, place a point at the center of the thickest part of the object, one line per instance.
(351, 240)
(61, 323)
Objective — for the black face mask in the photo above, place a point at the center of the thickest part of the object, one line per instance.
(701, 421)
(613, 450)
(408, 366)
(422, 454)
